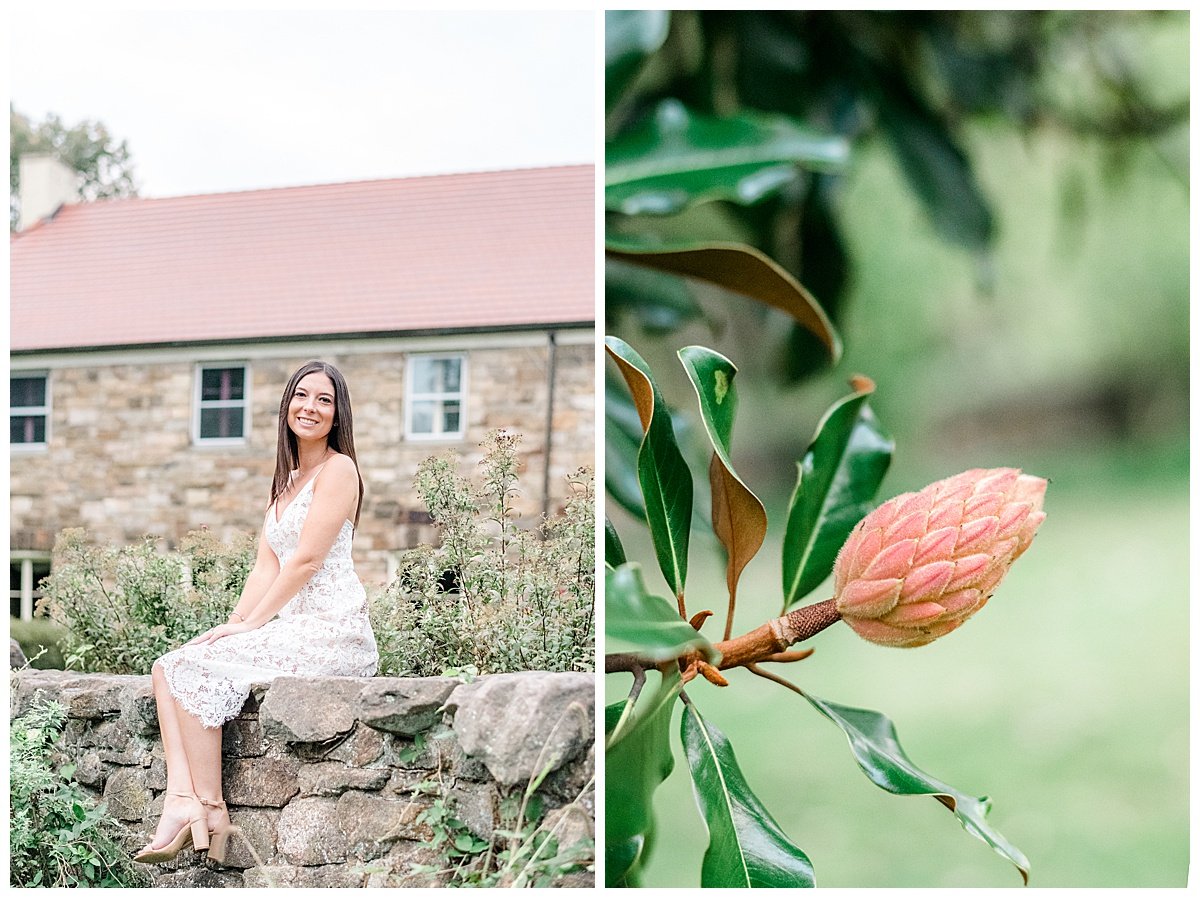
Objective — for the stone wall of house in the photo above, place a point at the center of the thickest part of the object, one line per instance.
(328, 777)
(121, 461)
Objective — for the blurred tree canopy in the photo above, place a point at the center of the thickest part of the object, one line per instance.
(87, 147)
(913, 80)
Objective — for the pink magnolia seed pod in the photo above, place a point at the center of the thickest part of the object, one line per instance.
(920, 564)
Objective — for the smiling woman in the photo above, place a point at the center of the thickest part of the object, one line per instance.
(303, 611)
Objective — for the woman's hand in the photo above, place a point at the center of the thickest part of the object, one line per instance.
(211, 636)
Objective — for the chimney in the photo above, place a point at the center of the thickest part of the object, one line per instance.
(46, 185)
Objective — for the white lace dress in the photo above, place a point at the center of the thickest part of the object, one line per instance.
(323, 631)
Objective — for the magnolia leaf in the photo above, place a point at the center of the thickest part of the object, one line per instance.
(661, 302)
(736, 267)
(637, 758)
(938, 170)
(677, 158)
(639, 623)
(746, 847)
(838, 479)
(738, 517)
(631, 36)
(877, 749)
(614, 714)
(663, 475)
(614, 552)
(622, 440)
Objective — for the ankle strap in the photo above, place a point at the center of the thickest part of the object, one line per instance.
(191, 795)
(209, 803)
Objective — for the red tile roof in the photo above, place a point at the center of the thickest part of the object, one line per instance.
(465, 251)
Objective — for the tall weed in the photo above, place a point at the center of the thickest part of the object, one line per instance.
(58, 837)
(124, 607)
(492, 596)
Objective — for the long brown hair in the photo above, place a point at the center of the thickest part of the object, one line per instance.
(341, 435)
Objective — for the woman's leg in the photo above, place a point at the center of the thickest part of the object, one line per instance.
(176, 810)
(203, 747)
(179, 775)
(193, 756)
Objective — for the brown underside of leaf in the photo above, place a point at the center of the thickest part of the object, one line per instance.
(639, 387)
(744, 270)
(739, 522)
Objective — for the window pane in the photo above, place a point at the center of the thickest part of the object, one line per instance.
(14, 592)
(27, 391)
(450, 417)
(41, 570)
(27, 429)
(222, 383)
(220, 423)
(425, 377)
(422, 417)
(451, 374)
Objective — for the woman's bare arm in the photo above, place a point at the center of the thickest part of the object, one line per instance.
(262, 575)
(335, 494)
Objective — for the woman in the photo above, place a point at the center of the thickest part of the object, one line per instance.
(302, 612)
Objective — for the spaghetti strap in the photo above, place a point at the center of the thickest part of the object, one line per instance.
(277, 513)
(324, 630)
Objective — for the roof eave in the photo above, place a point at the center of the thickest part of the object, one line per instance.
(297, 338)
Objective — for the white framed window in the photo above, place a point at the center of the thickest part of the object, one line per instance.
(27, 570)
(221, 410)
(435, 396)
(29, 409)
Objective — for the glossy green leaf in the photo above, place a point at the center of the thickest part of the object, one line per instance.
(877, 749)
(640, 623)
(663, 475)
(637, 758)
(738, 517)
(612, 715)
(678, 157)
(746, 847)
(622, 440)
(614, 552)
(838, 479)
(938, 170)
(631, 36)
(825, 267)
(736, 267)
(661, 302)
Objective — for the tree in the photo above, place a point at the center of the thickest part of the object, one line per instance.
(87, 147)
(765, 96)
(727, 134)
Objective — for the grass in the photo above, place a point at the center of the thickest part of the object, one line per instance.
(37, 634)
(1065, 700)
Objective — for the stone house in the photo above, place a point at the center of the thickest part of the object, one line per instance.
(151, 339)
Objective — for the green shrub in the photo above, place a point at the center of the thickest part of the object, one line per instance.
(124, 607)
(41, 640)
(58, 837)
(491, 597)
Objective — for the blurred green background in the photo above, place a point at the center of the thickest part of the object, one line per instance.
(1065, 352)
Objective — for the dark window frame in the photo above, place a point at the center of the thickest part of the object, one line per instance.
(201, 405)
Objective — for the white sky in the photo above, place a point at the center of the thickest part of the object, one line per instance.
(223, 100)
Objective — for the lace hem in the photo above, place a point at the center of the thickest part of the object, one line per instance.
(211, 700)
(212, 682)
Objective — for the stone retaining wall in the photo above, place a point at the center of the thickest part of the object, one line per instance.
(328, 776)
